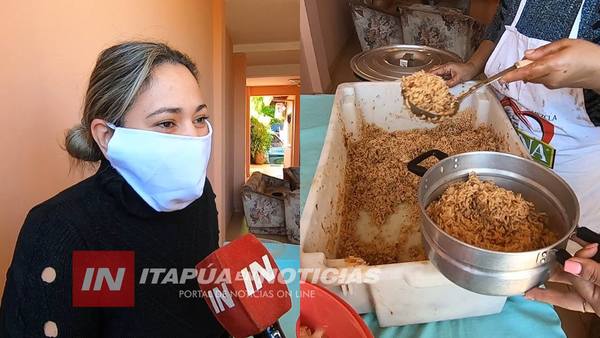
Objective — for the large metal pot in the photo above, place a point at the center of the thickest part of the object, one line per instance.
(391, 63)
(493, 272)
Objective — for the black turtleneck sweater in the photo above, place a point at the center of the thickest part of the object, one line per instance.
(104, 213)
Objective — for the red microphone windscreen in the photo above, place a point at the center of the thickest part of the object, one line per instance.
(243, 287)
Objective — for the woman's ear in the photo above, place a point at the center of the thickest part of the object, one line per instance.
(101, 134)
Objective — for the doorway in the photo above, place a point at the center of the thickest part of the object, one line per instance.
(273, 116)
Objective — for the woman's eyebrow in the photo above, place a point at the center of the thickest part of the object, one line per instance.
(164, 110)
(173, 110)
(200, 107)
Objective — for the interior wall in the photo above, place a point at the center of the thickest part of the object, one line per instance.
(296, 131)
(49, 50)
(221, 167)
(314, 69)
(239, 128)
(336, 26)
(325, 27)
(229, 130)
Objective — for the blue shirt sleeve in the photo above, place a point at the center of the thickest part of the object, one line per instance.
(505, 14)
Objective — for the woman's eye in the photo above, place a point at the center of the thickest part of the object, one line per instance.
(201, 119)
(166, 124)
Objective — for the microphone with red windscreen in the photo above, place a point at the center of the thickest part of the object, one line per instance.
(244, 289)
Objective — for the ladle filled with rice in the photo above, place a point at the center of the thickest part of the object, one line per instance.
(429, 92)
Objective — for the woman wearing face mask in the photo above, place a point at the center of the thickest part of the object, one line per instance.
(145, 122)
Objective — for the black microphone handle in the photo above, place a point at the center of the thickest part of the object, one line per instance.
(273, 331)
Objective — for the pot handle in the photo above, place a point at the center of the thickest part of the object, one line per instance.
(414, 165)
(585, 234)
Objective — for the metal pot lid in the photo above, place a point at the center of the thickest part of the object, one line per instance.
(391, 63)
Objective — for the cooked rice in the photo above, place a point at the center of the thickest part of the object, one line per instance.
(428, 92)
(485, 215)
(378, 182)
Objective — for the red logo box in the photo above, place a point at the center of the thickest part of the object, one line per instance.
(103, 279)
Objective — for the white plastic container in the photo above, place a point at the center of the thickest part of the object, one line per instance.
(405, 293)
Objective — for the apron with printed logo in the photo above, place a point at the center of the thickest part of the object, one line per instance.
(553, 124)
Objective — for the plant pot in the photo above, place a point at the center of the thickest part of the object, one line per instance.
(260, 158)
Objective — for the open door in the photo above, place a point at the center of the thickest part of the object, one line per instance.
(272, 132)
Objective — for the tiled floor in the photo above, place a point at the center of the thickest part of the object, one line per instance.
(275, 170)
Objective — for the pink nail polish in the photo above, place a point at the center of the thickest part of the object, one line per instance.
(573, 267)
(591, 245)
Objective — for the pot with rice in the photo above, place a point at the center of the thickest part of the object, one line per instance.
(363, 200)
(494, 223)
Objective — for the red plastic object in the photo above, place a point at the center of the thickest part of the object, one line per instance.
(321, 308)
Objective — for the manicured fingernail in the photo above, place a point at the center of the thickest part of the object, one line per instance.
(591, 246)
(530, 51)
(573, 267)
(528, 297)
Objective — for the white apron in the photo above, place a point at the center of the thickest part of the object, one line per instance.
(553, 124)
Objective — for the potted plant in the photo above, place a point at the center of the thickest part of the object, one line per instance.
(260, 141)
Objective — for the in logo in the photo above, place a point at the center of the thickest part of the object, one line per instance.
(103, 279)
(253, 278)
(221, 298)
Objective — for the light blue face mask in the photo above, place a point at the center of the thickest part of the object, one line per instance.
(167, 171)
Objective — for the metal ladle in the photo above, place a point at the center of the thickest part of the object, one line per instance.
(433, 116)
